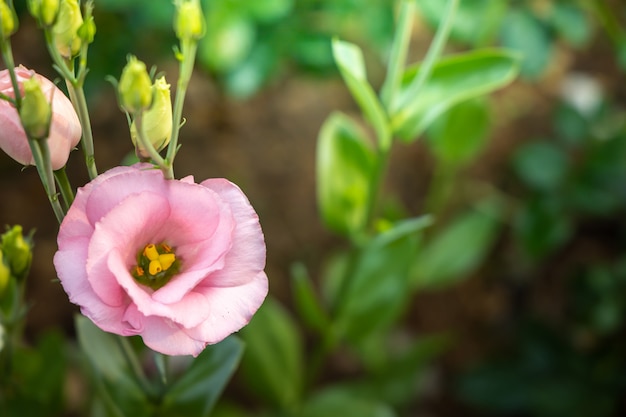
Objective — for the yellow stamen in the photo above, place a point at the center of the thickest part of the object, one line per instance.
(155, 267)
(139, 271)
(151, 252)
(166, 248)
(166, 260)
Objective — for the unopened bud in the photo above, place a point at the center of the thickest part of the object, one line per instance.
(65, 29)
(45, 11)
(5, 275)
(8, 21)
(87, 30)
(135, 87)
(35, 113)
(157, 120)
(189, 21)
(17, 251)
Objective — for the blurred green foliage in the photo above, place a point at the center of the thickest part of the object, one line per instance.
(562, 183)
(532, 28)
(571, 195)
(249, 43)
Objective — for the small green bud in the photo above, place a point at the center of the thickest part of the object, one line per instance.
(189, 21)
(5, 275)
(35, 113)
(17, 251)
(65, 30)
(45, 11)
(87, 31)
(8, 21)
(135, 87)
(157, 120)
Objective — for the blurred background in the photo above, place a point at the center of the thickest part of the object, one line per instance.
(534, 314)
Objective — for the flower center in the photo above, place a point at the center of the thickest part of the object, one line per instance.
(156, 265)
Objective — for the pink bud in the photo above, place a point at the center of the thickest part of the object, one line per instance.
(65, 130)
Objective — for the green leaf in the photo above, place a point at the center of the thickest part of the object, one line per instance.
(228, 41)
(377, 289)
(267, 11)
(460, 134)
(252, 72)
(455, 251)
(345, 165)
(349, 59)
(399, 379)
(273, 364)
(571, 23)
(541, 165)
(399, 383)
(197, 391)
(307, 301)
(523, 32)
(453, 80)
(36, 381)
(338, 402)
(476, 21)
(541, 225)
(121, 393)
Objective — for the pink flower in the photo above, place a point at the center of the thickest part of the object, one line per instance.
(179, 263)
(65, 130)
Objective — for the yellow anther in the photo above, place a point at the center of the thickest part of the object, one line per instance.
(139, 271)
(166, 260)
(166, 248)
(151, 252)
(155, 267)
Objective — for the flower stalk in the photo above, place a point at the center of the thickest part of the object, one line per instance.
(75, 80)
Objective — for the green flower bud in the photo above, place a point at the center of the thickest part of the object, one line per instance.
(157, 120)
(36, 113)
(65, 30)
(45, 11)
(135, 87)
(189, 21)
(87, 30)
(17, 251)
(8, 20)
(5, 275)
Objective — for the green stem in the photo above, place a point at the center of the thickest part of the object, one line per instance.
(161, 361)
(399, 50)
(39, 149)
(401, 109)
(135, 366)
(376, 185)
(147, 145)
(188, 52)
(77, 95)
(41, 155)
(7, 56)
(7, 98)
(59, 62)
(64, 186)
(441, 187)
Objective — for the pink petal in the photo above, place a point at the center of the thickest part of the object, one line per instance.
(74, 280)
(231, 308)
(188, 312)
(125, 229)
(116, 188)
(65, 129)
(247, 256)
(167, 337)
(200, 228)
